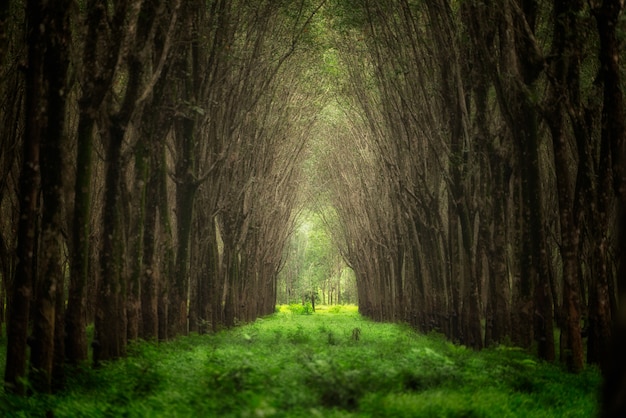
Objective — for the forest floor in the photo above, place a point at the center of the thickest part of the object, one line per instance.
(332, 363)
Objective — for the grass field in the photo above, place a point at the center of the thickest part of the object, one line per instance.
(332, 363)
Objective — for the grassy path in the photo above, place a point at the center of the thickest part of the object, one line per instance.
(329, 364)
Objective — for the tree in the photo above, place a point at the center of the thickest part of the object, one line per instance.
(97, 75)
(485, 148)
(22, 286)
(12, 105)
(613, 137)
(135, 32)
(47, 350)
(564, 78)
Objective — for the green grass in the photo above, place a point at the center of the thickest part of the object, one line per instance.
(332, 363)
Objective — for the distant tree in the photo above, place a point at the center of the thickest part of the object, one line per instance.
(315, 263)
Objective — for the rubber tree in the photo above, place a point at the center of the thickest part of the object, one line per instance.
(46, 354)
(95, 81)
(564, 78)
(613, 134)
(12, 86)
(111, 321)
(29, 182)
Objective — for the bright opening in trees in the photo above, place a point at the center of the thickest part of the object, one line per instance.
(315, 271)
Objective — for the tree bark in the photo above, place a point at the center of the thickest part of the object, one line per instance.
(136, 239)
(564, 47)
(168, 261)
(21, 289)
(55, 18)
(520, 65)
(185, 195)
(110, 319)
(614, 135)
(136, 35)
(185, 131)
(98, 70)
(150, 276)
(499, 272)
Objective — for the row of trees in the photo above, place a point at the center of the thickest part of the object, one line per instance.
(151, 156)
(485, 169)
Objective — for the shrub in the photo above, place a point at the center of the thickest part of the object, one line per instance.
(335, 385)
(335, 309)
(308, 308)
(296, 308)
(298, 336)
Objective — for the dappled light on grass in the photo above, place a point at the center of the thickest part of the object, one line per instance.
(329, 363)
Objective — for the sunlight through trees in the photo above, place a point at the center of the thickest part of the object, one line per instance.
(314, 267)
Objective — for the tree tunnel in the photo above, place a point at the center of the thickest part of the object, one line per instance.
(172, 167)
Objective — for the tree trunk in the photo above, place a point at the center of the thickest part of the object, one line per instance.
(56, 20)
(110, 321)
(499, 274)
(58, 360)
(94, 90)
(522, 309)
(150, 275)
(232, 279)
(168, 260)
(76, 316)
(21, 288)
(535, 263)
(136, 239)
(610, 178)
(208, 277)
(614, 367)
(179, 287)
(521, 64)
(454, 277)
(571, 340)
(614, 135)
(5, 7)
(564, 45)
(111, 318)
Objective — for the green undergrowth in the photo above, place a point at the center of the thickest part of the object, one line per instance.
(331, 363)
